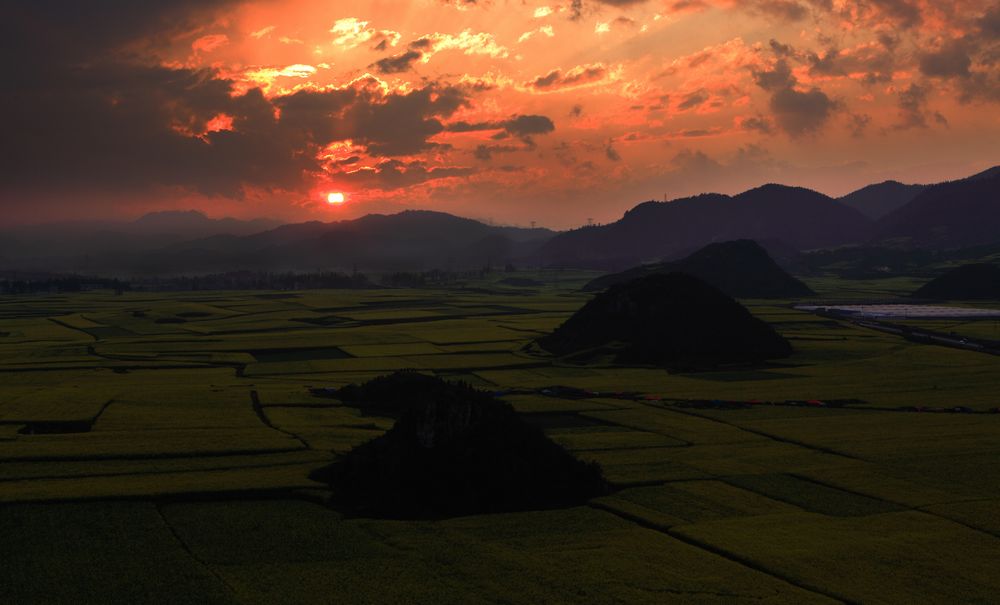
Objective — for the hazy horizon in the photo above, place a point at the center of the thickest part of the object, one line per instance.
(350, 212)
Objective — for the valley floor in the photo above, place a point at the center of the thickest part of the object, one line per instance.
(155, 448)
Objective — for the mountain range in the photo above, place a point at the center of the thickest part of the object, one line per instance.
(654, 231)
(959, 213)
(784, 220)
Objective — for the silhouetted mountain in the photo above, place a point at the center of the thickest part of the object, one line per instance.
(656, 230)
(989, 173)
(674, 320)
(784, 220)
(740, 268)
(190, 224)
(410, 240)
(954, 214)
(88, 245)
(876, 201)
(453, 451)
(980, 281)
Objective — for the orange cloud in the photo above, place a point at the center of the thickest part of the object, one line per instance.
(209, 43)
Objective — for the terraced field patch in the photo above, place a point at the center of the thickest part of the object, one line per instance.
(189, 443)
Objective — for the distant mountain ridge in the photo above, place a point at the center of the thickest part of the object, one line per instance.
(784, 220)
(79, 246)
(959, 213)
(191, 222)
(408, 241)
(876, 201)
(653, 231)
(954, 214)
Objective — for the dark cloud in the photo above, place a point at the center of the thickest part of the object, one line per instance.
(777, 78)
(913, 111)
(124, 127)
(575, 10)
(683, 5)
(859, 124)
(796, 112)
(982, 85)
(611, 153)
(529, 125)
(146, 126)
(757, 124)
(827, 64)
(485, 152)
(781, 50)
(386, 125)
(692, 100)
(888, 40)
(904, 12)
(557, 79)
(989, 23)
(800, 113)
(785, 10)
(877, 63)
(951, 60)
(524, 127)
(698, 132)
(689, 161)
(86, 119)
(397, 63)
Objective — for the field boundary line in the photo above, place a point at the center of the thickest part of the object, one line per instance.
(759, 433)
(259, 410)
(719, 552)
(187, 549)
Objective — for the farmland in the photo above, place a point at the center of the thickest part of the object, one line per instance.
(155, 447)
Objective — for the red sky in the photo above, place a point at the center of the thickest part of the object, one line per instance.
(552, 112)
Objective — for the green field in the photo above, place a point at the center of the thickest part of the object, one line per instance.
(155, 447)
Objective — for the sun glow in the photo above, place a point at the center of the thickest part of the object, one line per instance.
(335, 198)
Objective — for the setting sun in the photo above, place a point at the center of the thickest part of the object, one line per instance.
(335, 198)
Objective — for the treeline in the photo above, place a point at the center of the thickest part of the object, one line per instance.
(62, 284)
(235, 280)
(256, 280)
(241, 280)
(437, 277)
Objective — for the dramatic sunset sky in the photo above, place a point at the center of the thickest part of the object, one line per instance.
(515, 111)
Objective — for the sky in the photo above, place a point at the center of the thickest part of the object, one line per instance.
(516, 112)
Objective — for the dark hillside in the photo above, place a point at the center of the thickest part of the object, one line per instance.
(980, 281)
(672, 320)
(454, 451)
(956, 214)
(741, 269)
(876, 201)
